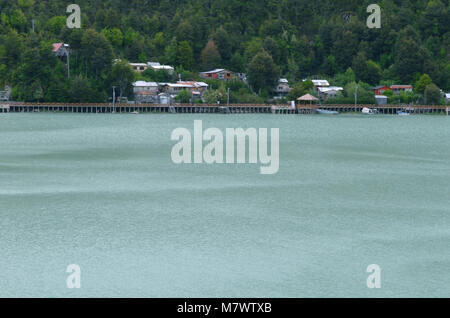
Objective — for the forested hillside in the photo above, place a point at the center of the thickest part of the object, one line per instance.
(302, 37)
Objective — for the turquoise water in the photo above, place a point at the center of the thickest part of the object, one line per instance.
(102, 192)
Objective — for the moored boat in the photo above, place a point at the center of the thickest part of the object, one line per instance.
(327, 112)
(402, 113)
(368, 111)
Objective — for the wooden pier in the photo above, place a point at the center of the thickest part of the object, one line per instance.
(4, 108)
(17, 107)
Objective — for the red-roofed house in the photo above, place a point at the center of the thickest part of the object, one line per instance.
(219, 74)
(379, 90)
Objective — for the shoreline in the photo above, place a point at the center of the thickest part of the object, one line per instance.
(100, 108)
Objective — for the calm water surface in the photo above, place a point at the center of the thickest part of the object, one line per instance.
(102, 192)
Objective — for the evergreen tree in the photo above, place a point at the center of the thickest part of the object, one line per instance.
(262, 72)
(211, 57)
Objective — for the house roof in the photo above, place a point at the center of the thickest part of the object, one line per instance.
(329, 89)
(401, 86)
(138, 64)
(320, 82)
(307, 97)
(145, 84)
(381, 97)
(57, 46)
(163, 67)
(179, 85)
(201, 84)
(380, 86)
(217, 70)
(283, 80)
(196, 84)
(158, 66)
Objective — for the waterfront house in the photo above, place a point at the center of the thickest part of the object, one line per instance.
(379, 90)
(397, 89)
(282, 88)
(199, 88)
(381, 99)
(145, 92)
(61, 49)
(329, 92)
(158, 67)
(176, 88)
(218, 74)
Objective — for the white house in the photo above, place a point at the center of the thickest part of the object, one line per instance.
(381, 99)
(158, 67)
(282, 88)
(319, 83)
(142, 86)
(197, 89)
(447, 97)
(329, 92)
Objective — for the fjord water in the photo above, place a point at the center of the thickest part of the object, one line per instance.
(102, 192)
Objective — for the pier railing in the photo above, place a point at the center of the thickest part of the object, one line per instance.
(213, 108)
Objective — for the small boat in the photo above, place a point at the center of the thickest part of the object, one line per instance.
(402, 113)
(368, 111)
(327, 112)
(135, 113)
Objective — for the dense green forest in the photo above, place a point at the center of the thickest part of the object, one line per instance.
(266, 39)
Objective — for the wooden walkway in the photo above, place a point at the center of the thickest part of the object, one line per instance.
(212, 108)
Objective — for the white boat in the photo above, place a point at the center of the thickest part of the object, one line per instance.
(402, 113)
(368, 111)
(135, 113)
(327, 112)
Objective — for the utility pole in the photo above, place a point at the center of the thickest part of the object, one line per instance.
(356, 97)
(32, 24)
(114, 99)
(68, 63)
(228, 97)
